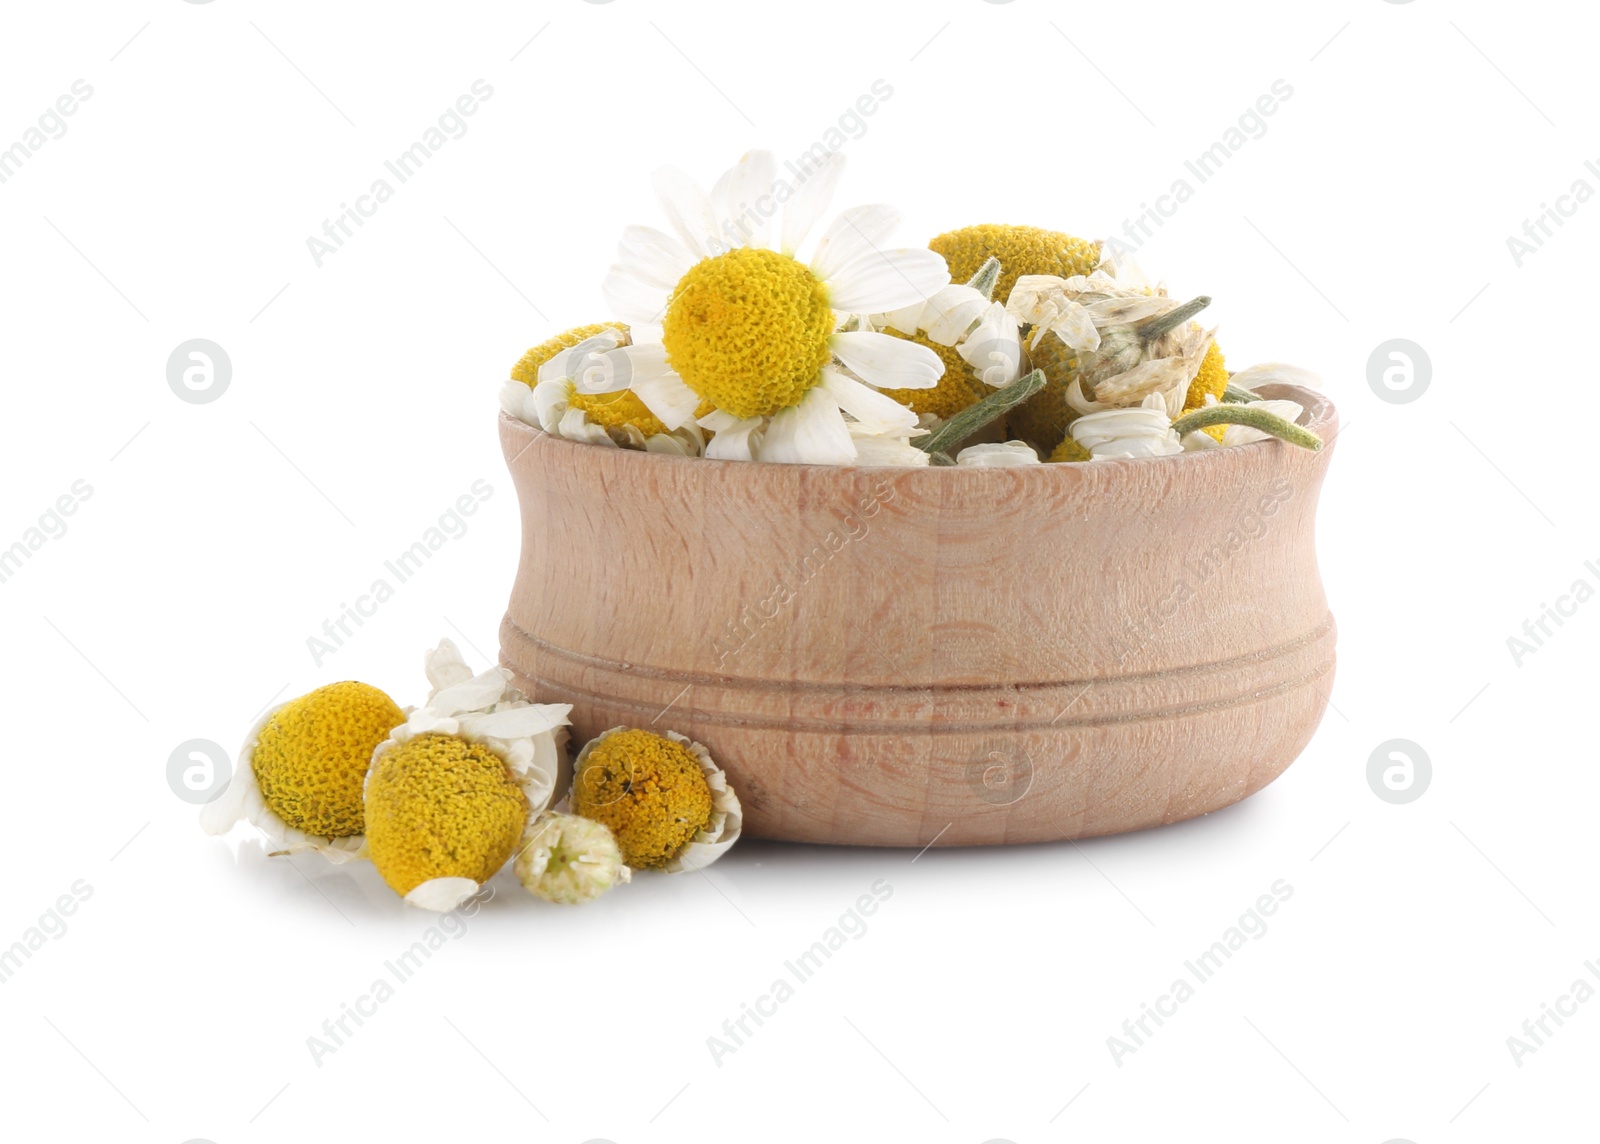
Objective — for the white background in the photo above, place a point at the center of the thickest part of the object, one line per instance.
(218, 537)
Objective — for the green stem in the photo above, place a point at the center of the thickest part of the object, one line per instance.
(1172, 319)
(987, 276)
(1228, 414)
(975, 417)
(1239, 394)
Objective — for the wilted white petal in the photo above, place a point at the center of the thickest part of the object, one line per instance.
(994, 456)
(951, 311)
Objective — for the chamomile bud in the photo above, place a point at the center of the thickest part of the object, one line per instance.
(567, 859)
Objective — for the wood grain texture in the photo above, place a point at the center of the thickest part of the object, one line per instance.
(889, 656)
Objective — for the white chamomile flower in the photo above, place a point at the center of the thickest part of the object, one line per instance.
(755, 332)
(300, 773)
(1144, 430)
(615, 417)
(568, 859)
(998, 455)
(450, 792)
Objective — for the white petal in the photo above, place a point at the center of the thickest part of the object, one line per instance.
(570, 362)
(445, 667)
(887, 280)
(654, 258)
(994, 348)
(1075, 326)
(873, 451)
(665, 395)
(811, 433)
(886, 361)
(856, 233)
(744, 203)
(688, 210)
(516, 722)
(950, 312)
(442, 894)
(550, 400)
(575, 426)
(1275, 371)
(733, 440)
(812, 192)
(634, 301)
(907, 319)
(878, 412)
(607, 372)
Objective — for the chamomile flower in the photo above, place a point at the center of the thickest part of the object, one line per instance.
(301, 770)
(979, 342)
(1142, 431)
(543, 391)
(452, 789)
(719, 316)
(668, 804)
(567, 859)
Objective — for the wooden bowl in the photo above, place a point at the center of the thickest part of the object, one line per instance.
(893, 657)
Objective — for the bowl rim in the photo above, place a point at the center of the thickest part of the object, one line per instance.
(1319, 414)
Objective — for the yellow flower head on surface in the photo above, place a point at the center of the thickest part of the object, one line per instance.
(311, 757)
(567, 859)
(649, 790)
(441, 807)
(761, 336)
(748, 331)
(1210, 382)
(1020, 249)
(301, 769)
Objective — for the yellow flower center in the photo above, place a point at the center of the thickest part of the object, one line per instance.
(1044, 417)
(1070, 450)
(1211, 380)
(649, 790)
(311, 757)
(441, 807)
(748, 330)
(1020, 249)
(615, 410)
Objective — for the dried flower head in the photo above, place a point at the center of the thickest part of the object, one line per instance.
(567, 859)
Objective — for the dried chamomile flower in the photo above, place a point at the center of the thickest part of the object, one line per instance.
(998, 455)
(1143, 431)
(668, 804)
(755, 331)
(301, 770)
(452, 788)
(1020, 249)
(562, 370)
(566, 858)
